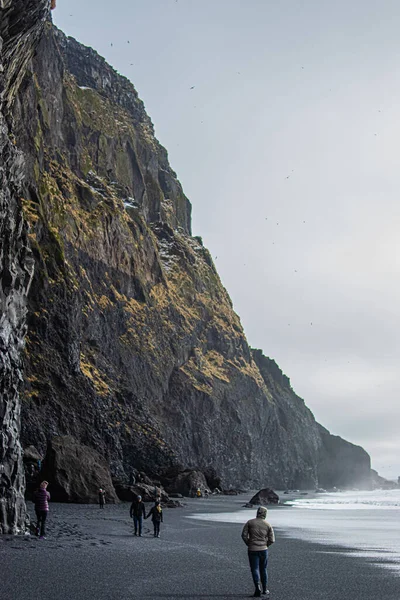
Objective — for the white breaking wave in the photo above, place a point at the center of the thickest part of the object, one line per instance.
(354, 500)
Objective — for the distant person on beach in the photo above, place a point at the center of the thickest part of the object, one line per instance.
(41, 499)
(102, 497)
(258, 535)
(156, 516)
(138, 512)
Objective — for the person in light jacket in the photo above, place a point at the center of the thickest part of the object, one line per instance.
(258, 535)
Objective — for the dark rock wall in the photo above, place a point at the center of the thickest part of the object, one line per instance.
(295, 428)
(133, 346)
(342, 462)
(21, 23)
(322, 459)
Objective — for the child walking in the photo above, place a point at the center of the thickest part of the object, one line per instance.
(156, 516)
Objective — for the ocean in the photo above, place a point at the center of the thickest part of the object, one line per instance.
(365, 524)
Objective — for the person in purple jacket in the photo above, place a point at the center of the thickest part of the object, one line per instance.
(41, 499)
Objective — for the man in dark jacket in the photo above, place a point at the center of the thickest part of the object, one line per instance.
(138, 511)
(156, 516)
(258, 535)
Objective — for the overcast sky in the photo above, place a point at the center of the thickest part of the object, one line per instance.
(288, 148)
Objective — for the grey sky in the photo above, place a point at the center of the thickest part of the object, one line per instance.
(289, 149)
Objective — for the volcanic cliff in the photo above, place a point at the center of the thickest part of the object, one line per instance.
(133, 348)
(20, 31)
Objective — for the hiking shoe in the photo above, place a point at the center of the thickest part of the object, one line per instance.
(265, 593)
(42, 537)
(257, 593)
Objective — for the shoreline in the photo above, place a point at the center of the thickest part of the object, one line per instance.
(92, 554)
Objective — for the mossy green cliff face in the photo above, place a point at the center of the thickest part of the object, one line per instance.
(133, 346)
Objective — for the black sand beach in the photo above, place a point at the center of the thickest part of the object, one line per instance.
(91, 554)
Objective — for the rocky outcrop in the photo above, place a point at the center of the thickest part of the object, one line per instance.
(322, 459)
(133, 345)
(76, 472)
(149, 491)
(21, 24)
(342, 463)
(263, 497)
(185, 482)
(381, 483)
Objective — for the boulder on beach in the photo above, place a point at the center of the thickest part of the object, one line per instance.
(150, 492)
(264, 496)
(212, 478)
(184, 482)
(174, 504)
(76, 472)
(123, 490)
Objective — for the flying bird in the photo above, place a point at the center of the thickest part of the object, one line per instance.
(193, 86)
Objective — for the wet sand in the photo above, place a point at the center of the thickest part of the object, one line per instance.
(91, 554)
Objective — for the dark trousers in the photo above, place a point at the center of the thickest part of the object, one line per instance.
(41, 516)
(138, 523)
(156, 525)
(258, 565)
